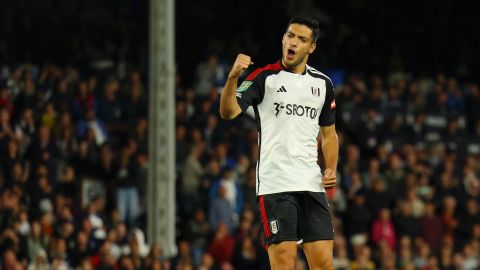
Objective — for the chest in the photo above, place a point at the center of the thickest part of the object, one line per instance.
(296, 90)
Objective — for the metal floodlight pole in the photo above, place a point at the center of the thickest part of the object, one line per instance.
(161, 176)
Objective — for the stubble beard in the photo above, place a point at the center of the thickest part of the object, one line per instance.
(293, 64)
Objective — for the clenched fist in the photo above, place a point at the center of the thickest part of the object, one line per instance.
(329, 178)
(241, 64)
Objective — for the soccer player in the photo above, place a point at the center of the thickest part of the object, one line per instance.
(293, 103)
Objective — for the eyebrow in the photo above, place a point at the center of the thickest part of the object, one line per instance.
(302, 37)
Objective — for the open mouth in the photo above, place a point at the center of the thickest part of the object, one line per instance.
(290, 53)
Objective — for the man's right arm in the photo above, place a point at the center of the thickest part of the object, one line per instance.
(229, 107)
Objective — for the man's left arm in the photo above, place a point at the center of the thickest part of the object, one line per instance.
(329, 137)
(330, 153)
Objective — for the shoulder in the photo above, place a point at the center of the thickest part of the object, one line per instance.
(317, 74)
(266, 70)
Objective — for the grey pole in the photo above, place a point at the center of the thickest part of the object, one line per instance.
(161, 176)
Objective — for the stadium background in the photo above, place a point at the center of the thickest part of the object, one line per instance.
(73, 97)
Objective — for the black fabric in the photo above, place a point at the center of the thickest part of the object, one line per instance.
(327, 116)
(298, 216)
(253, 94)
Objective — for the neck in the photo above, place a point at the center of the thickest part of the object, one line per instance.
(298, 69)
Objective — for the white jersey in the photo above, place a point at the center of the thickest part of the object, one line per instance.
(289, 110)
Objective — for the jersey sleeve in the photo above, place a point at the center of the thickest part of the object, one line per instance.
(250, 92)
(327, 116)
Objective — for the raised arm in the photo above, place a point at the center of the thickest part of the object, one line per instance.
(229, 108)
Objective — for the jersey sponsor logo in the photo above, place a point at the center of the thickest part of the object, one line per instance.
(278, 108)
(274, 226)
(282, 90)
(316, 91)
(296, 110)
(244, 86)
(333, 104)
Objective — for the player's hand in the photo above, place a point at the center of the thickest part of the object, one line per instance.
(329, 178)
(241, 64)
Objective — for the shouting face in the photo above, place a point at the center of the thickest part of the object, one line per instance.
(297, 45)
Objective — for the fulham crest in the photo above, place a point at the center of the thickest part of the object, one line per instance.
(274, 226)
(316, 91)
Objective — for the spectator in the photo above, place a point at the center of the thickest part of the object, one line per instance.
(196, 232)
(192, 173)
(9, 159)
(43, 150)
(9, 260)
(378, 197)
(395, 175)
(85, 159)
(182, 146)
(127, 192)
(207, 262)
(249, 189)
(470, 217)
(62, 98)
(209, 74)
(245, 255)
(446, 257)
(363, 260)
(449, 215)
(373, 172)
(25, 129)
(28, 97)
(233, 191)
(222, 246)
(340, 258)
(358, 216)
(184, 257)
(154, 258)
(84, 101)
(221, 211)
(383, 229)
(96, 125)
(65, 136)
(405, 223)
(431, 227)
(40, 262)
(140, 135)
(6, 129)
(470, 255)
(49, 117)
(135, 101)
(110, 107)
(5, 101)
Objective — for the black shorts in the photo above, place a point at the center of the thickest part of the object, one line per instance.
(295, 216)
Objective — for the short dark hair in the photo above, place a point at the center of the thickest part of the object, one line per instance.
(307, 21)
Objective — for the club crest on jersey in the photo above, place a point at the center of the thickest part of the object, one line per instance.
(316, 91)
(274, 226)
(244, 86)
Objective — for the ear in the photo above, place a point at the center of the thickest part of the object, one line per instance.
(312, 48)
(283, 37)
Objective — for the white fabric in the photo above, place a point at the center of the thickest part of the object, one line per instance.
(288, 154)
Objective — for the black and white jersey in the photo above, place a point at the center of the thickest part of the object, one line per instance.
(289, 110)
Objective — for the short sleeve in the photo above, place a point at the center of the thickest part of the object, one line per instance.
(250, 92)
(327, 116)
(247, 95)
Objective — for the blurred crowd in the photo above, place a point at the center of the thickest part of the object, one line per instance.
(408, 189)
(407, 197)
(60, 131)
